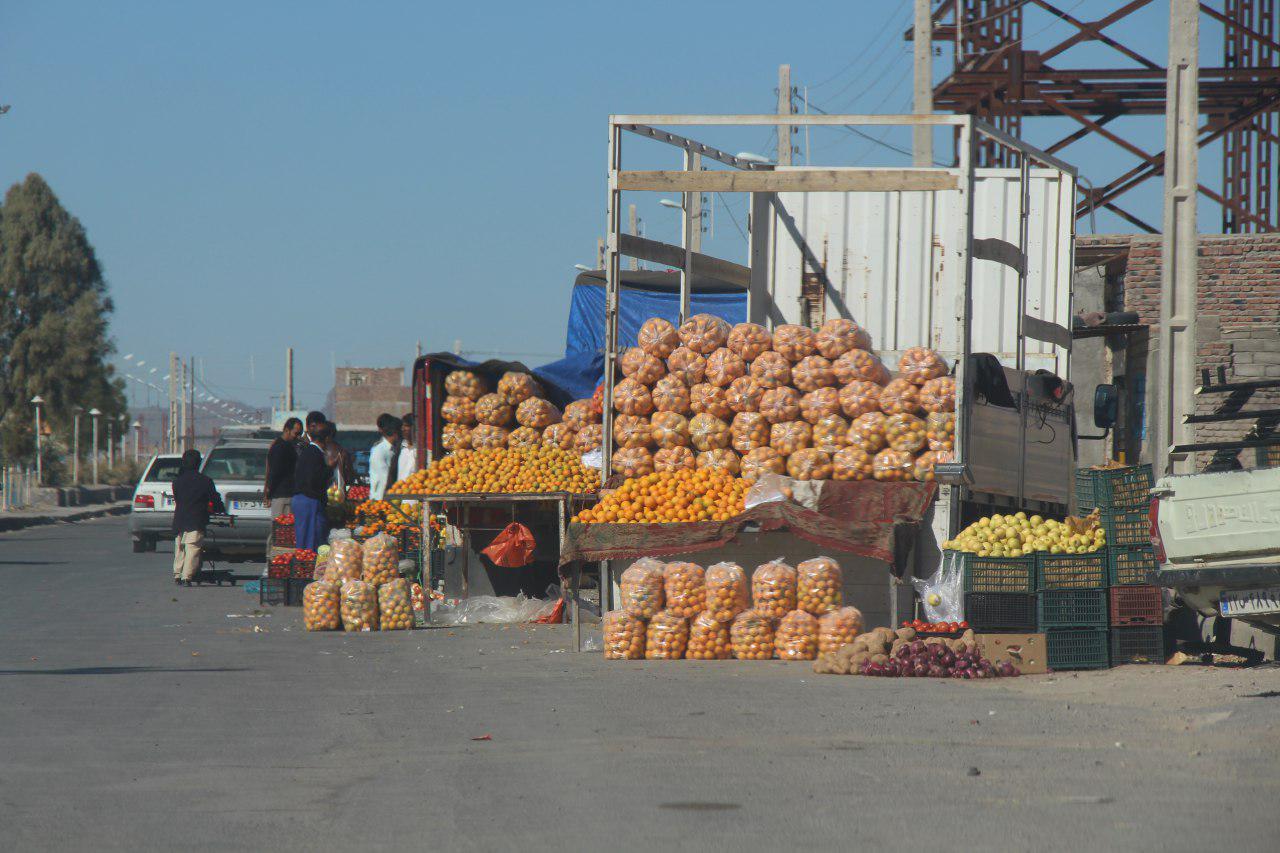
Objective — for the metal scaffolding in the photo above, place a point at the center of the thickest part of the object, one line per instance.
(1004, 76)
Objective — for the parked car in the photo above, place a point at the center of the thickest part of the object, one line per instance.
(151, 517)
(238, 467)
(1217, 543)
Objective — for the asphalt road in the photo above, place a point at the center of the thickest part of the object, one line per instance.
(138, 716)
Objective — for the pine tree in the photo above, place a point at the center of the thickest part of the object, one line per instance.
(54, 308)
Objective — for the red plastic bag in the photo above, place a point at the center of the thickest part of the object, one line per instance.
(512, 548)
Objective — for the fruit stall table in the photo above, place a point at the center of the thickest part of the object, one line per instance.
(481, 516)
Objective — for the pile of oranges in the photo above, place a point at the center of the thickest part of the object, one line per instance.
(671, 496)
(385, 516)
(502, 470)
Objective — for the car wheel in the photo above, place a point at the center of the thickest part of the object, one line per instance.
(139, 546)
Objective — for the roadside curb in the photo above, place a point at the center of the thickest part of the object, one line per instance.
(8, 524)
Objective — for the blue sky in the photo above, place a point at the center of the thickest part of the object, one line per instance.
(353, 178)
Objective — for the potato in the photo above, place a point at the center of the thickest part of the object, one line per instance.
(880, 658)
(907, 633)
(897, 644)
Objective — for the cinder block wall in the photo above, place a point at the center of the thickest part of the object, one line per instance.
(1238, 314)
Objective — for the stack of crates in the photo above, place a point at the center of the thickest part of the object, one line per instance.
(1135, 607)
(999, 593)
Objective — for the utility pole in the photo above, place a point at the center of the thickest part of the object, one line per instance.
(171, 434)
(784, 109)
(191, 396)
(182, 407)
(633, 229)
(600, 254)
(1179, 266)
(288, 379)
(922, 45)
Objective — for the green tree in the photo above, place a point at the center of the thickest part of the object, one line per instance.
(54, 308)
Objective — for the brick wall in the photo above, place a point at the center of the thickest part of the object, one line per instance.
(1238, 312)
(375, 390)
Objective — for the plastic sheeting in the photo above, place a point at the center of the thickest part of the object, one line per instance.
(582, 367)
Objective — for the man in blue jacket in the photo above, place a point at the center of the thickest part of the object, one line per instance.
(194, 496)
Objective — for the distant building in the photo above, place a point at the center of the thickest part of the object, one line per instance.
(360, 394)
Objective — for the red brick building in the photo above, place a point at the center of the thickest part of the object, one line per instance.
(360, 394)
(1238, 317)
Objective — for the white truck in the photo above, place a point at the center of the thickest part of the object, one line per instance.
(1217, 541)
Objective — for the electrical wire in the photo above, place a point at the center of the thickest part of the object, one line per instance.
(1025, 36)
(858, 58)
(729, 210)
(856, 132)
(871, 63)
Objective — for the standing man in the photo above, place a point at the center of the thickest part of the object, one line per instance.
(193, 496)
(384, 456)
(281, 459)
(408, 449)
(311, 478)
(338, 458)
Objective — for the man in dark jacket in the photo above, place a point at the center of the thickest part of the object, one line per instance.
(193, 496)
(311, 477)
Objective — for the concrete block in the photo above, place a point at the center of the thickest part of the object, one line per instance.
(1266, 358)
(1250, 371)
(1272, 371)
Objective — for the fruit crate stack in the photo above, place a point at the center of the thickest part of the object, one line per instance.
(999, 593)
(1135, 606)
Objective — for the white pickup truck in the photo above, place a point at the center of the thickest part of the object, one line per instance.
(1217, 541)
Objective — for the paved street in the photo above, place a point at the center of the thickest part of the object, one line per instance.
(138, 716)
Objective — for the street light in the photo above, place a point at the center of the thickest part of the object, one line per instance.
(752, 158)
(75, 444)
(94, 413)
(37, 401)
(124, 436)
(582, 267)
(674, 205)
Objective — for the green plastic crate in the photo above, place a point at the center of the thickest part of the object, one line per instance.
(998, 574)
(1072, 571)
(1127, 528)
(1137, 645)
(1077, 648)
(1069, 608)
(1112, 488)
(1130, 566)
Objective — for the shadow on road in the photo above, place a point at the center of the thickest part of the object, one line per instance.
(119, 670)
(34, 562)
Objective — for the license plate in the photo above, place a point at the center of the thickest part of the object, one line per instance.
(1247, 602)
(248, 505)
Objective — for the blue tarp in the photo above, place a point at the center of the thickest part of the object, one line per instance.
(582, 367)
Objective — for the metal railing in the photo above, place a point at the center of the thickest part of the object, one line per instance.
(16, 487)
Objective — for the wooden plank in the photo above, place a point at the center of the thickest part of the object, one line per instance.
(797, 180)
(673, 256)
(1043, 330)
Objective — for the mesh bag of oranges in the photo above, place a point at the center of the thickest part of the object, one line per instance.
(632, 431)
(394, 610)
(707, 432)
(796, 637)
(905, 432)
(686, 365)
(458, 410)
(726, 591)
(673, 459)
(537, 413)
(836, 337)
(868, 432)
(320, 606)
(938, 395)
(673, 496)
(632, 462)
(630, 397)
(773, 590)
(925, 463)
(749, 340)
(464, 383)
(838, 628)
(794, 342)
(940, 430)
(704, 333)
(750, 430)
(708, 399)
(670, 394)
(642, 589)
(920, 364)
(762, 460)
(346, 558)
(641, 366)
(860, 364)
(359, 606)
(744, 394)
(708, 639)
(819, 403)
(514, 388)
(579, 413)
(456, 437)
(831, 433)
(900, 396)
(724, 366)
(779, 405)
(559, 435)
(893, 465)
(809, 464)
(492, 411)
(658, 337)
(751, 636)
(667, 637)
(813, 372)
(771, 370)
(720, 459)
(819, 585)
(685, 589)
(669, 429)
(860, 397)
(380, 559)
(852, 463)
(624, 636)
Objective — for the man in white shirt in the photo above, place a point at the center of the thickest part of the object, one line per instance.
(408, 449)
(383, 455)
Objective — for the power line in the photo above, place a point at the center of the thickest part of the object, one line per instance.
(871, 64)
(729, 210)
(858, 57)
